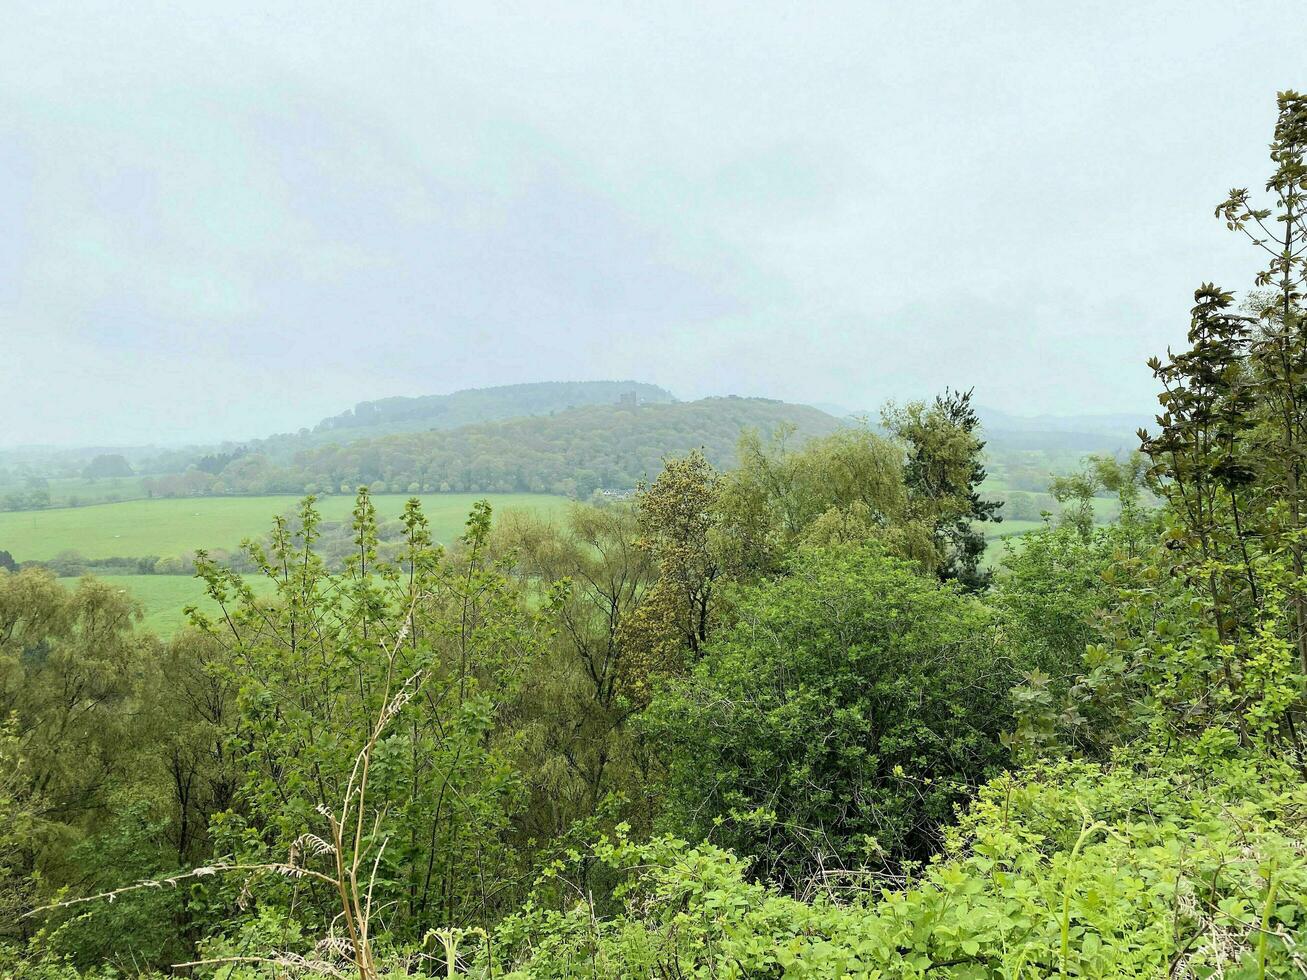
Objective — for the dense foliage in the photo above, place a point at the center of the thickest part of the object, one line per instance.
(1072, 870)
(838, 720)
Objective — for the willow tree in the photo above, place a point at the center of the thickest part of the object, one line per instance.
(595, 673)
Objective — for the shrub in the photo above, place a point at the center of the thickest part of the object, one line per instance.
(1073, 870)
(838, 721)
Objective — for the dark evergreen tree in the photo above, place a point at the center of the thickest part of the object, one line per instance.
(943, 471)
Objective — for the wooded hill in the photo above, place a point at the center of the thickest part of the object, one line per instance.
(469, 406)
(571, 452)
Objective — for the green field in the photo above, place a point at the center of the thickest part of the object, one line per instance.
(1009, 529)
(76, 491)
(137, 528)
(163, 597)
(172, 527)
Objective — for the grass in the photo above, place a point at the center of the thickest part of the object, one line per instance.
(75, 491)
(171, 527)
(163, 597)
(1009, 528)
(165, 528)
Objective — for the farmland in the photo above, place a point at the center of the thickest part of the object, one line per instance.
(137, 528)
(164, 598)
(173, 527)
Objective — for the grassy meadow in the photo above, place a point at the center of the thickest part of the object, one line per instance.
(172, 527)
(136, 528)
(163, 598)
(1009, 529)
(76, 491)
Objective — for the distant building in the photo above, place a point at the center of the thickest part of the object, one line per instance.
(629, 399)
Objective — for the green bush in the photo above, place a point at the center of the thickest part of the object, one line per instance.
(839, 721)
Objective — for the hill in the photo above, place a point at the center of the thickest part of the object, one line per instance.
(472, 405)
(1077, 433)
(34, 477)
(570, 452)
(1115, 423)
(469, 406)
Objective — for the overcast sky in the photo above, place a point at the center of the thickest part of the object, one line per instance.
(221, 220)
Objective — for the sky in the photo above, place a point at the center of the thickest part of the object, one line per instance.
(221, 220)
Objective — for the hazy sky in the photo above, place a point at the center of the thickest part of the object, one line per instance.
(220, 220)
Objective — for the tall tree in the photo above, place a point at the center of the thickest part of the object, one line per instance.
(1199, 456)
(943, 471)
(678, 520)
(1277, 360)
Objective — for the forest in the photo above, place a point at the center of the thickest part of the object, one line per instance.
(768, 718)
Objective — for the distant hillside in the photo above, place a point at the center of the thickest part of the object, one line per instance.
(1042, 433)
(1106, 422)
(1024, 452)
(1079, 433)
(571, 452)
(473, 405)
(393, 416)
(470, 406)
